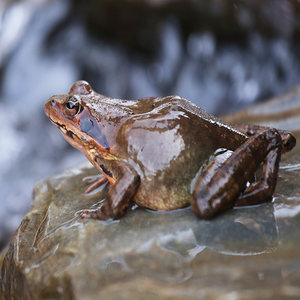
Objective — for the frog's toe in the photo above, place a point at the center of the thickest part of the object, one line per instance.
(93, 214)
(88, 214)
(96, 184)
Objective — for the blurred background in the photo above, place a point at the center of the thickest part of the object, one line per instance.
(223, 55)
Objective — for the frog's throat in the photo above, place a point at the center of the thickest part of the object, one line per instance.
(83, 140)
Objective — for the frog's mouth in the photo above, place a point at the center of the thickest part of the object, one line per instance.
(65, 130)
(78, 141)
(81, 141)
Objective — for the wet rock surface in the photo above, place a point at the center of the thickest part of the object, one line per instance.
(248, 253)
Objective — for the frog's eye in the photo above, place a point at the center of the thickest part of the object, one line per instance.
(73, 106)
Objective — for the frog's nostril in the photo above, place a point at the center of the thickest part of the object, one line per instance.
(53, 102)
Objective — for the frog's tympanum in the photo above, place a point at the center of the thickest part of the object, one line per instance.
(166, 153)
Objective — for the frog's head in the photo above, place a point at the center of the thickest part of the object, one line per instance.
(70, 113)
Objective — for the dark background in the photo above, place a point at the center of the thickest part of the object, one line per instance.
(222, 54)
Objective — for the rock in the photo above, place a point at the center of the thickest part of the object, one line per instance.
(251, 252)
(145, 254)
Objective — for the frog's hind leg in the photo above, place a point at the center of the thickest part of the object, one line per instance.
(288, 140)
(263, 189)
(214, 193)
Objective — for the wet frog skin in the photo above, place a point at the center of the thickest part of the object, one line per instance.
(166, 153)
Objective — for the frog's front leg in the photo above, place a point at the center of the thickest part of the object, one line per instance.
(222, 190)
(119, 196)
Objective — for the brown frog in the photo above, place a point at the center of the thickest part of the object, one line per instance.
(166, 153)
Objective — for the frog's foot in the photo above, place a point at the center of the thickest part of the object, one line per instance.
(88, 214)
(288, 140)
(96, 184)
(119, 197)
(94, 214)
(214, 193)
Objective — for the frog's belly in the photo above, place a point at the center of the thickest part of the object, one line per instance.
(162, 196)
(170, 188)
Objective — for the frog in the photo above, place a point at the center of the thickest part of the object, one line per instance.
(166, 153)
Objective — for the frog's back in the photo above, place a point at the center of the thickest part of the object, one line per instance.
(168, 143)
